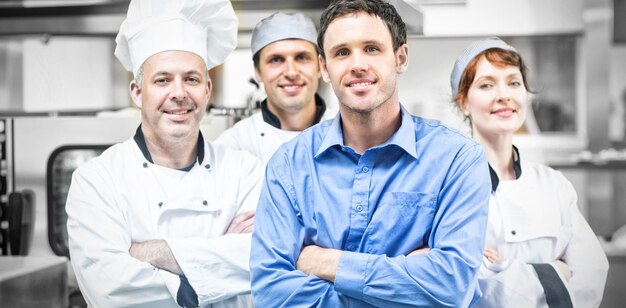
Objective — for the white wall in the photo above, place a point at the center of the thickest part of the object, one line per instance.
(70, 74)
(503, 17)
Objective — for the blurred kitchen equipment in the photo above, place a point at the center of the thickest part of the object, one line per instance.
(27, 282)
(21, 217)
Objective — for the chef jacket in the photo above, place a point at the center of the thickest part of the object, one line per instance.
(261, 134)
(121, 197)
(535, 220)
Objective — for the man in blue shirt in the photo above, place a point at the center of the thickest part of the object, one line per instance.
(376, 207)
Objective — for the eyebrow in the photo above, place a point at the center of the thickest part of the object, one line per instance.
(365, 43)
(166, 73)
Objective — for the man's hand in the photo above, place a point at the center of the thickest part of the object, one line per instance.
(318, 261)
(157, 253)
(564, 269)
(243, 223)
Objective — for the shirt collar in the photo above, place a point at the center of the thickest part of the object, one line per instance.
(517, 168)
(272, 119)
(404, 137)
(141, 143)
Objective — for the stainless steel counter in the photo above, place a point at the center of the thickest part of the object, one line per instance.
(33, 281)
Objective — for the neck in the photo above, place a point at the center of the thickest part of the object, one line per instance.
(175, 154)
(362, 131)
(499, 150)
(295, 120)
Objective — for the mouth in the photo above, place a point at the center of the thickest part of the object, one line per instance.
(178, 112)
(360, 84)
(291, 88)
(504, 112)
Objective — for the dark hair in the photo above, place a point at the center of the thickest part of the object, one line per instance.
(496, 56)
(255, 58)
(380, 8)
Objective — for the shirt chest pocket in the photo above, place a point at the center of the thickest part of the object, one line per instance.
(403, 217)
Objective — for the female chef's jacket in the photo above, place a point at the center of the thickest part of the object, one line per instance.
(535, 220)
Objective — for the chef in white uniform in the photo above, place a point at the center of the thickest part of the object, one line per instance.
(539, 250)
(285, 59)
(164, 219)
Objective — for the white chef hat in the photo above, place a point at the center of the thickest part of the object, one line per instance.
(469, 54)
(281, 26)
(207, 28)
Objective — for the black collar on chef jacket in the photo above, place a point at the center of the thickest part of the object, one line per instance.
(141, 143)
(516, 167)
(272, 119)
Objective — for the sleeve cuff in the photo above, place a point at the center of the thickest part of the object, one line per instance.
(172, 282)
(351, 273)
(187, 296)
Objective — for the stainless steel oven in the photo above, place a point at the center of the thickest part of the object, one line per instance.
(39, 154)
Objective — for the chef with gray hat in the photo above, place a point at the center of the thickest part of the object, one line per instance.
(164, 219)
(286, 62)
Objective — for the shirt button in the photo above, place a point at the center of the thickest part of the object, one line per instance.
(145, 165)
(513, 232)
(359, 208)
(160, 204)
(365, 169)
(205, 203)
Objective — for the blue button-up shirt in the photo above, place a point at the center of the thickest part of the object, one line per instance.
(427, 186)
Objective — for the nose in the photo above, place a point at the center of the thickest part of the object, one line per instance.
(178, 91)
(503, 95)
(291, 70)
(359, 65)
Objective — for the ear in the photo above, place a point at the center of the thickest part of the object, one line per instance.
(323, 69)
(402, 58)
(257, 75)
(135, 93)
(209, 86)
(464, 106)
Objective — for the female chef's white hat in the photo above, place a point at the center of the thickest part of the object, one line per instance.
(469, 54)
(207, 28)
(282, 26)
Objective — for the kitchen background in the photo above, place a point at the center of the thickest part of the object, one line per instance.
(64, 97)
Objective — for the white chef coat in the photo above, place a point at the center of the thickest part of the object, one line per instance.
(120, 197)
(258, 137)
(535, 219)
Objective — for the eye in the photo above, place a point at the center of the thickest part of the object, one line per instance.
(371, 49)
(485, 86)
(274, 60)
(160, 81)
(303, 57)
(516, 84)
(342, 52)
(193, 80)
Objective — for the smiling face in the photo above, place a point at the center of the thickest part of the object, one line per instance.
(173, 96)
(496, 100)
(361, 64)
(290, 74)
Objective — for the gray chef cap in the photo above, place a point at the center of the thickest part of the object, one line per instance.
(207, 28)
(470, 53)
(281, 26)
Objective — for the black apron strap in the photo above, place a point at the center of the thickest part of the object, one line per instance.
(553, 287)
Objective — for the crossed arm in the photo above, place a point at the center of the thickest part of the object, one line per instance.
(158, 253)
(323, 262)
